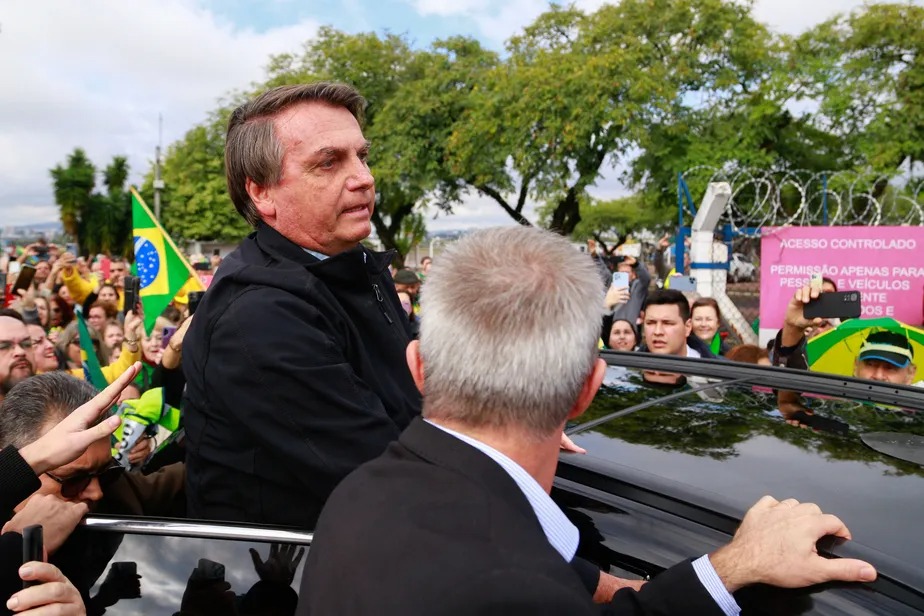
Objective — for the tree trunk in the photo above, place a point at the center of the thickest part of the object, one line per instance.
(567, 213)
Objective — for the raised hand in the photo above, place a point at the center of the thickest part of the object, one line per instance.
(281, 564)
(69, 439)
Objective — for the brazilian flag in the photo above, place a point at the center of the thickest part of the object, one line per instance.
(161, 268)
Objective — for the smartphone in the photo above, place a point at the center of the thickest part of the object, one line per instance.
(620, 280)
(33, 548)
(26, 274)
(194, 297)
(682, 283)
(132, 293)
(71, 247)
(816, 283)
(168, 334)
(840, 305)
(105, 266)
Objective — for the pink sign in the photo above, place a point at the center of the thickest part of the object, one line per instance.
(886, 264)
(205, 279)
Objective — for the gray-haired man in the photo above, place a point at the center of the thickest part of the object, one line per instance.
(456, 518)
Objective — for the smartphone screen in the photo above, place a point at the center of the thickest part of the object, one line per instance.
(620, 280)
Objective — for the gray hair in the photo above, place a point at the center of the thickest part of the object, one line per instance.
(36, 401)
(251, 147)
(511, 320)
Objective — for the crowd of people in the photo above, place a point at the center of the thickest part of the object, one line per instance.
(318, 387)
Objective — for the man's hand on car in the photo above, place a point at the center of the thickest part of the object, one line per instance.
(775, 545)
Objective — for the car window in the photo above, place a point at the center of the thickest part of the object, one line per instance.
(730, 444)
(139, 574)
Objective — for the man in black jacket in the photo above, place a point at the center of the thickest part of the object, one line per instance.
(295, 360)
(456, 518)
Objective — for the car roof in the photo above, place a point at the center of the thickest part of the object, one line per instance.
(723, 444)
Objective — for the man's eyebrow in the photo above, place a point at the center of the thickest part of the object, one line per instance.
(333, 150)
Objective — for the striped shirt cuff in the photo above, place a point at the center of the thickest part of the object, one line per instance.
(714, 586)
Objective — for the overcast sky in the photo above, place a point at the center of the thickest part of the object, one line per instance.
(96, 73)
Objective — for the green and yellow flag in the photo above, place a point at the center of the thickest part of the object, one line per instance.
(159, 265)
(91, 368)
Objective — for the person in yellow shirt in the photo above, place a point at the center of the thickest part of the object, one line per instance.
(69, 343)
(79, 287)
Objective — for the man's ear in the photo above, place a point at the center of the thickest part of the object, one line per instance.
(689, 326)
(262, 199)
(415, 364)
(589, 389)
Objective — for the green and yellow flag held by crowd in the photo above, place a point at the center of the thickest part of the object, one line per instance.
(159, 265)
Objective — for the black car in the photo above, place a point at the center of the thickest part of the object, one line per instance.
(678, 450)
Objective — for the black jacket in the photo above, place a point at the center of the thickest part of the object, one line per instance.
(435, 527)
(296, 375)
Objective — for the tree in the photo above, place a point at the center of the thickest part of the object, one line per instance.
(101, 222)
(609, 222)
(73, 188)
(195, 201)
(866, 69)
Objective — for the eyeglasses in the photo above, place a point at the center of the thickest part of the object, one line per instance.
(71, 487)
(25, 344)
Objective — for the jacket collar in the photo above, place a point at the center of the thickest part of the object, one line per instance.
(446, 451)
(273, 242)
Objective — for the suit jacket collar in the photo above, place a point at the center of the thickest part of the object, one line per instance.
(445, 450)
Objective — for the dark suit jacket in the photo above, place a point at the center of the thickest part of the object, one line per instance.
(435, 527)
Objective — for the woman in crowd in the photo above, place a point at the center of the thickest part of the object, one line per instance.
(108, 293)
(707, 318)
(408, 304)
(44, 312)
(99, 313)
(623, 336)
(60, 316)
(113, 335)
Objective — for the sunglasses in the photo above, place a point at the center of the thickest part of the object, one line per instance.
(71, 487)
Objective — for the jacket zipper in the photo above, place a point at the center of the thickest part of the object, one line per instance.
(381, 298)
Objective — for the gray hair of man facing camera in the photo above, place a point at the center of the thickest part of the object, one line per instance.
(511, 320)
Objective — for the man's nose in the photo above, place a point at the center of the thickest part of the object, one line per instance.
(361, 179)
(93, 492)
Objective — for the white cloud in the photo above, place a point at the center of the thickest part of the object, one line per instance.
(96, 73)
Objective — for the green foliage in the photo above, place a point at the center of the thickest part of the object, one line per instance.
(195, 202)
(867, 71)
(100, 222)
(609, 222)
(655, 87)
